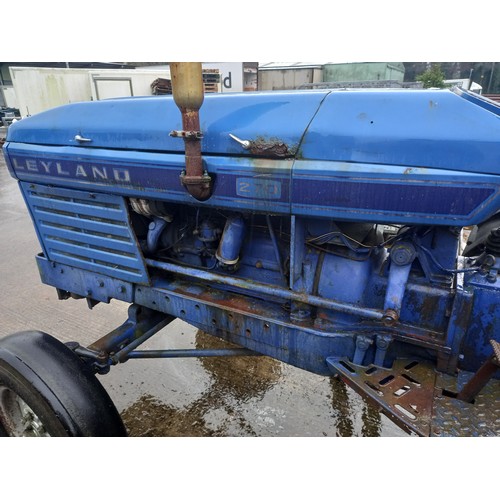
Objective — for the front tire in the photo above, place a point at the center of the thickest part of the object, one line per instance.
(47, 390)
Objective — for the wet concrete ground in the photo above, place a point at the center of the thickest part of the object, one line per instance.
(176, 397)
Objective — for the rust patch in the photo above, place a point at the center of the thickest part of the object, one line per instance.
(271, 147)
(463, 319)
(240, 304)
(429, 308)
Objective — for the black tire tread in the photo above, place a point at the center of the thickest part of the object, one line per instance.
(37, 361)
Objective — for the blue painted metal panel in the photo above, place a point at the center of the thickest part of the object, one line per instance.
(484, 322)
(84, 282)
(261, 325)
(51, 220)
(240, 183)
(434, 129)
(86, 230)
(53, 232)
(383, 156)
(479, 100)
(423, 305)
(397, 194)
(144, 123)
(325, 189)
(335, 274)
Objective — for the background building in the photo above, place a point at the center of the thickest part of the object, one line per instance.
(296, 75)
(34, 87)
(285, 76)
(364, 71)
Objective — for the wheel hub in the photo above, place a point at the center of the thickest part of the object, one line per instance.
(17, 417)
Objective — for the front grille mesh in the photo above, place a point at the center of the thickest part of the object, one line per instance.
(86, 230)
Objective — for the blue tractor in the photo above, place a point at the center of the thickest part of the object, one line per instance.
(351, 233)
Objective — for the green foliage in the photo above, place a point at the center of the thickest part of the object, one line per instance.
(433, 77)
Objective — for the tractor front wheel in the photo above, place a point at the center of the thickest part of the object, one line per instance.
(47, 390)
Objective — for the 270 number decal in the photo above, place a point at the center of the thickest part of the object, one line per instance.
(249, 187)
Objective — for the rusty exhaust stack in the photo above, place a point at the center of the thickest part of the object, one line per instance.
(187, 88)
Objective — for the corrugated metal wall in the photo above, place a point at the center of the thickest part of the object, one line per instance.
(358, 72)
(288, 78)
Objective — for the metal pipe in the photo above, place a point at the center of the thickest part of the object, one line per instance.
(403, 254)
(275, 245)
(188, 92)
(362, 345)
(140, 320)
(122, 354)
(267, 289)
(190, 353)
(476, 384)
(396, 286)
(231, 241)
(382, 343)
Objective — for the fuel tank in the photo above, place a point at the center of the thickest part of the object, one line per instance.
(388, 156)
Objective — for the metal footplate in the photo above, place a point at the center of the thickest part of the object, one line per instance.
(423, 401)
(452, 417)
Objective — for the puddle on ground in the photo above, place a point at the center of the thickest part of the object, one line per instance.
(258, 396)
(234, 382)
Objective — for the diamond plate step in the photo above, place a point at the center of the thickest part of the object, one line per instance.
(421, 400)
(452, 417)
(404, 392)
(496, 350)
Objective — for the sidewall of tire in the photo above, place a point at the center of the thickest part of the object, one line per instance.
(55, 420)
(59, 387)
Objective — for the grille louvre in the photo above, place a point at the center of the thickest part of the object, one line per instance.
(86, 230)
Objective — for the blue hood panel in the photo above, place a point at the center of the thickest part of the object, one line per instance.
(414, 128)
(436, 129)
(144, 123)
(388, 156)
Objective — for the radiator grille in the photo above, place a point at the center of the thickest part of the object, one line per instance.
(86, 230)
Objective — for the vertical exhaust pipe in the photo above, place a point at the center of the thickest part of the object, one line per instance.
(187, 89)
